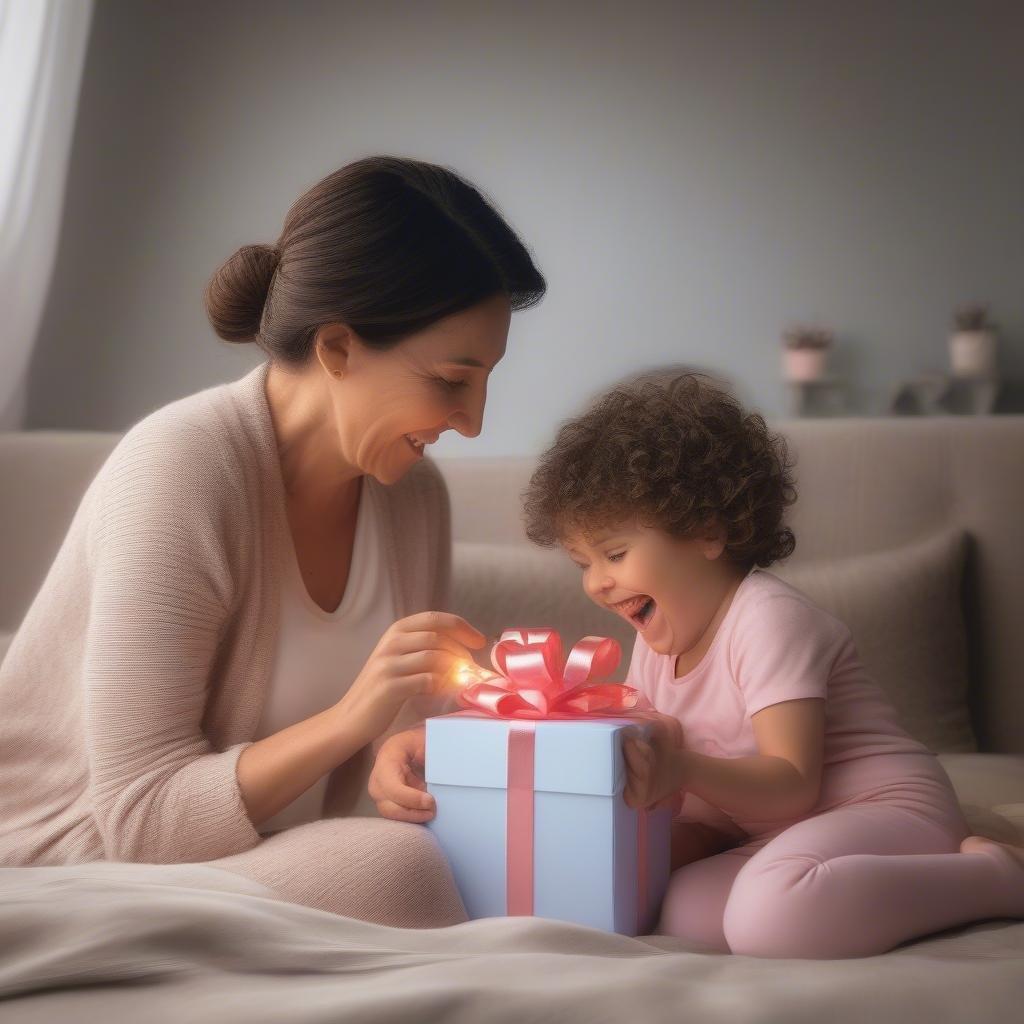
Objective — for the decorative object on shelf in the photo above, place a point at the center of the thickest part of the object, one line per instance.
(935, 395)
(813, 391)
(805, 353)
(972, 346)
(972, 387)
(919, 397)
(822, 397)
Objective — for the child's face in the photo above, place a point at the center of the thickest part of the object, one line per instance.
(668, 588)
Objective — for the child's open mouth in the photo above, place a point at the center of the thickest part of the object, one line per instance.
(638, 610)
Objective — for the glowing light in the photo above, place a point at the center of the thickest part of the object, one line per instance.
(468, 672)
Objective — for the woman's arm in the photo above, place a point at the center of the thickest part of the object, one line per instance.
(161, 588)
(412, 661)
(274, 771)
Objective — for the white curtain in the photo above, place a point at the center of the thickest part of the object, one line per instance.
(42, 49)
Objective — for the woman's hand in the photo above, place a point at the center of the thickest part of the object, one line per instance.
(656, 766)
(415, 656)
(396, 782)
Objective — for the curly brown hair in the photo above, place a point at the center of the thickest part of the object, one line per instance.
(676, 451)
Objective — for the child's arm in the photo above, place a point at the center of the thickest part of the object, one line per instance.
(782, 781)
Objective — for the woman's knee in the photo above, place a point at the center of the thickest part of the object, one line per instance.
(407, 852)
(393, 872)
(412, 880)
(374, 869)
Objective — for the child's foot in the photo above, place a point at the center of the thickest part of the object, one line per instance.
(1010, 858)
(982, 844)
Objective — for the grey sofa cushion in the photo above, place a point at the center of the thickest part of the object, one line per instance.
(903, 607)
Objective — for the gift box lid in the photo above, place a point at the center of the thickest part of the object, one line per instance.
(570, 756)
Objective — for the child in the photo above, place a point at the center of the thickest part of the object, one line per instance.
(812, 824)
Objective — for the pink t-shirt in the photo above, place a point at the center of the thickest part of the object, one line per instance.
(774, 644)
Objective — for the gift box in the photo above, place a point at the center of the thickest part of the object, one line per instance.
(528, 782)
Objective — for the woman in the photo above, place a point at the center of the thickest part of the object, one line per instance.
(251, 595)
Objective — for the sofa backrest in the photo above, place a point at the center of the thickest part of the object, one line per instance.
(43, 475)
(865, 485)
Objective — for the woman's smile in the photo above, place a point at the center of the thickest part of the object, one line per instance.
(417, 447)
(418, 442)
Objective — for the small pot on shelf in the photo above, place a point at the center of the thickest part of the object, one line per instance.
(972, 346)
(805, 354)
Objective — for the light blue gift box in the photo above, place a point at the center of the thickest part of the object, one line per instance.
(585, 837)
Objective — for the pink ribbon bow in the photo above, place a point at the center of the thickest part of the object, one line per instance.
(535, 684)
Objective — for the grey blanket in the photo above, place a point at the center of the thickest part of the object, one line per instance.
(125, 943)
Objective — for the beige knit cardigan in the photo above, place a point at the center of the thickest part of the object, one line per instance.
(139, 672)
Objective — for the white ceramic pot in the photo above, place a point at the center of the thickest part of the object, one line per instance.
(804, 364)
(973, 353)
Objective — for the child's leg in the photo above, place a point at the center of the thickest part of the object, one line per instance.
(862, 878)
(697, 892)
(695, 900)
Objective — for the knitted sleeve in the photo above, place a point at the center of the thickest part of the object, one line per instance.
(160, 596)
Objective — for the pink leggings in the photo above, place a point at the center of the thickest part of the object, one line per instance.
(853, 881)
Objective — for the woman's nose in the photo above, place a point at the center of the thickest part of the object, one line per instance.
(469, 419)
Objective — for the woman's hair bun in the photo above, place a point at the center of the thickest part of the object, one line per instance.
(386, 246)
(237, 292)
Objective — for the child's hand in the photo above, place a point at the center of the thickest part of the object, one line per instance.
(655, 768)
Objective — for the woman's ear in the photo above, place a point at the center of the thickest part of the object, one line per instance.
(332, 344)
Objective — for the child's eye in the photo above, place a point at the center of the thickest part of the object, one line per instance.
(617, 557)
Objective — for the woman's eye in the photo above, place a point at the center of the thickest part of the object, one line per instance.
(453, 385)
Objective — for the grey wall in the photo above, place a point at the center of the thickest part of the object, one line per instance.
(692, 178)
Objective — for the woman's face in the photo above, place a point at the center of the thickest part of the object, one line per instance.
(390, 405)
(667, 588)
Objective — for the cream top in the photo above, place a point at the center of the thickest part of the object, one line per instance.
(320, 653)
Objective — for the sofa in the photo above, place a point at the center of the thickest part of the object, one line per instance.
(907, 528)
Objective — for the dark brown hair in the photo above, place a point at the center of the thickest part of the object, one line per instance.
(385, 245)
(676, 451)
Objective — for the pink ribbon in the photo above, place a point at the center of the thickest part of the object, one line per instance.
(519, 820)
(537, 686)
